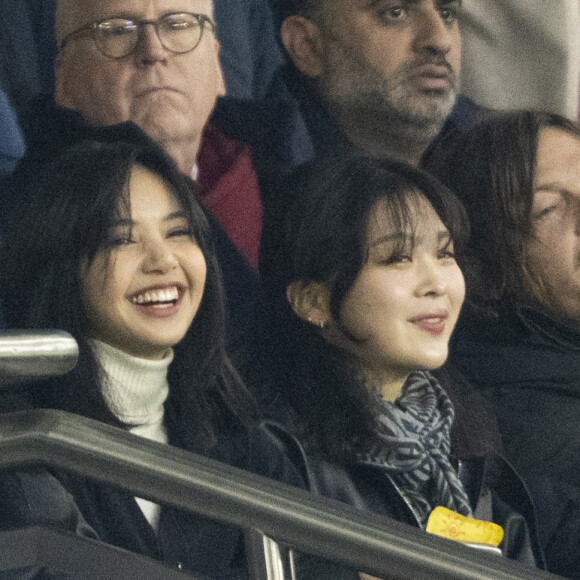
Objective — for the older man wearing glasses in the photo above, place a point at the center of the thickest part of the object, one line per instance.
(154, 63)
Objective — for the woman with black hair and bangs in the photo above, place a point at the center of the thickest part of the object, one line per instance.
(74, 228)
(373, 291)
(111, 246)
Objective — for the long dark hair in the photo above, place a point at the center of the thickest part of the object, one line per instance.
(492, 172)
(64, 216)
(324, 239)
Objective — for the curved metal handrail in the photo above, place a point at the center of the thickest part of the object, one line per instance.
(34, 354)
(172, 476)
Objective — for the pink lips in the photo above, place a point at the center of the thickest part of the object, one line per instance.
(435, 77)
(155, 312)
(433, 322)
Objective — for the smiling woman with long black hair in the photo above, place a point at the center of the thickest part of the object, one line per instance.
(111, 246)
(367, 266)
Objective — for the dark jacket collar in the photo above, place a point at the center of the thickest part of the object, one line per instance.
(326, 134)
(12, 143)
(556, 331)
(525, 345)
(48, 129)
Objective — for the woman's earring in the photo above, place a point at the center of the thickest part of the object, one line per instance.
(320, 324)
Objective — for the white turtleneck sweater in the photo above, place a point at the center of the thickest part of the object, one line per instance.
(135, 390)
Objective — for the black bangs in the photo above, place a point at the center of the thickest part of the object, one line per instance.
(447, 206)
(329, 201)
(399, 216)
(68, 203)
(84, 203)
(182, 189)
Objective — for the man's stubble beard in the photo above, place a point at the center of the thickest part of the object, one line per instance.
(379, 108)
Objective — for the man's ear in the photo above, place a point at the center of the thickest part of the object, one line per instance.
(62, 96)
(221, 87)
(303, 42)
(310, 301)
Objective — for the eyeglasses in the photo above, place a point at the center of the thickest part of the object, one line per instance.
(117, 37)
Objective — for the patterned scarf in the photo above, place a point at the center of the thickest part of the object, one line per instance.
(413, 447)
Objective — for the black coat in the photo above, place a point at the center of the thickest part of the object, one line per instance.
(205, 547)
(495, 491)
(527, 364)
(185, 541)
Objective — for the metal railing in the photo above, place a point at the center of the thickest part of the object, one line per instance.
(28, 355)
(292, 517)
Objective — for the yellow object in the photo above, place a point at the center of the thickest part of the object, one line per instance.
(453, 526)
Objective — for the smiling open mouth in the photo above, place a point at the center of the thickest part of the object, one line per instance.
(157, 298)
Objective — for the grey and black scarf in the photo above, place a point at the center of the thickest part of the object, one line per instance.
(413, 447)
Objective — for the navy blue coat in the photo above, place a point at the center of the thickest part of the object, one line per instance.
(11, 140)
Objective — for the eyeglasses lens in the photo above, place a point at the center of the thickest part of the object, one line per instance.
(178, 33)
